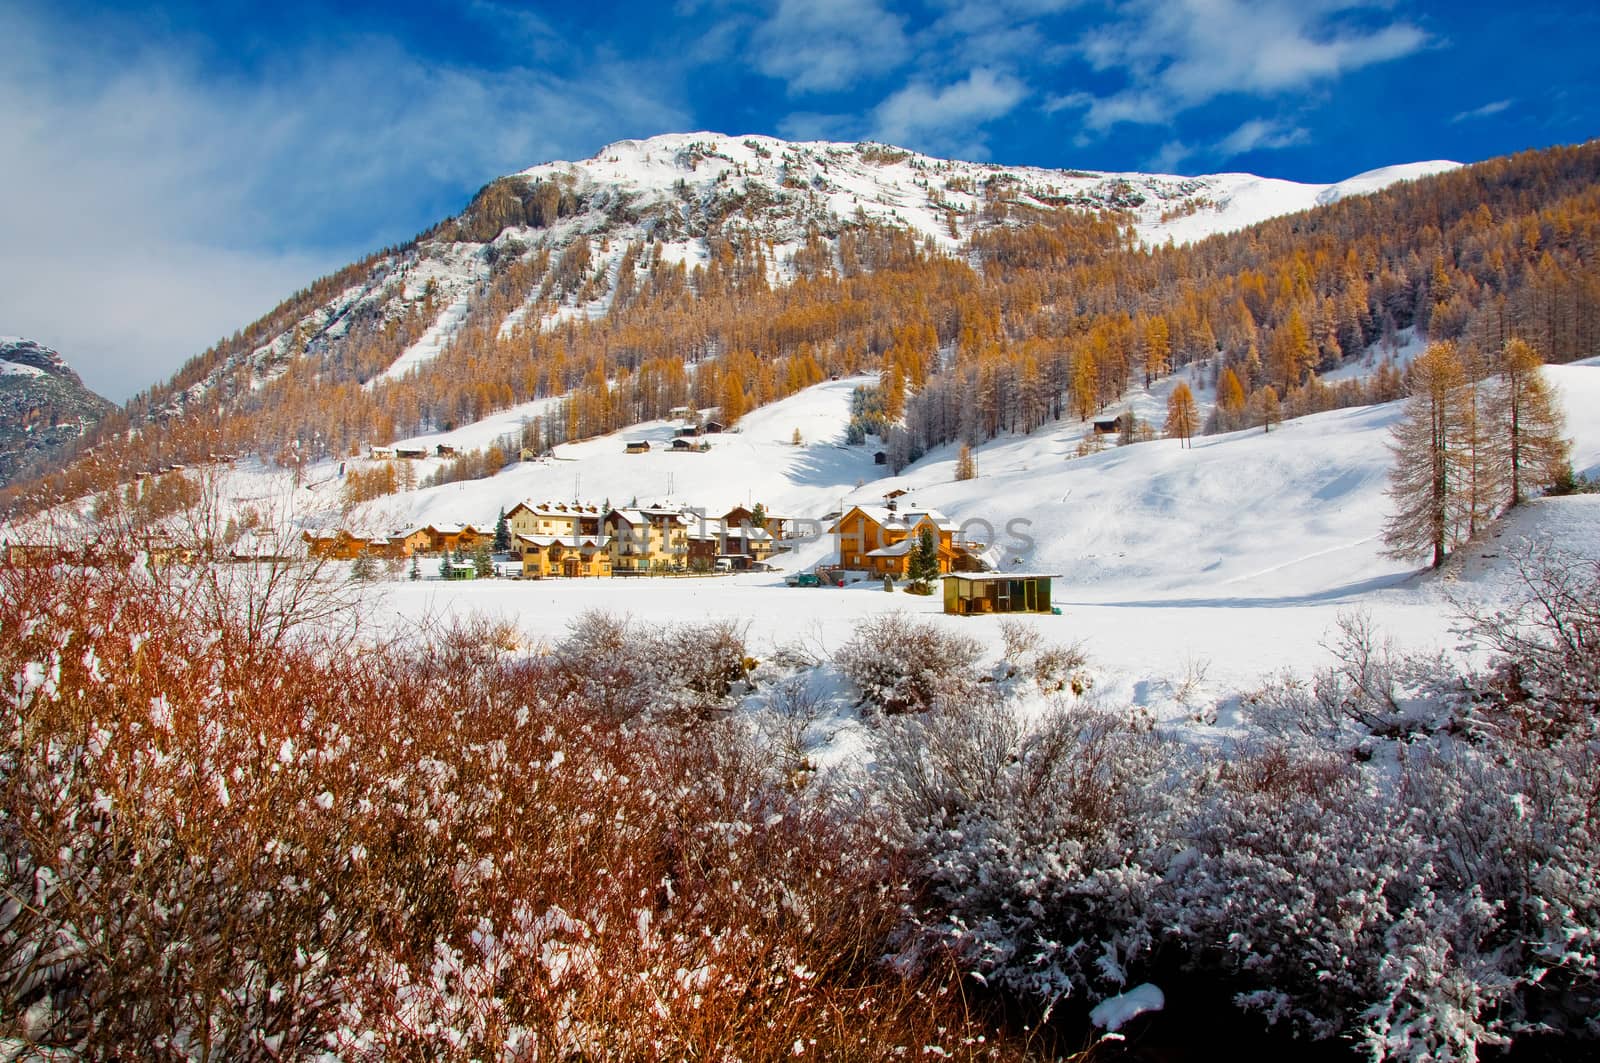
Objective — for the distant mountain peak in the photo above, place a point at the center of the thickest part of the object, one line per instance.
(44, 407)
(25, 357)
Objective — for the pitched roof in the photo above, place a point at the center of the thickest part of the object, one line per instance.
(883, 516)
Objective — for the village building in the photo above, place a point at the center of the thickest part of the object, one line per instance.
(636, 446)
(260, 547)
(28, 555)
(571, 556)
(439, 538)
(334, 546)
(648, 539)
(881, 540)
(552, 519)
(721, 543)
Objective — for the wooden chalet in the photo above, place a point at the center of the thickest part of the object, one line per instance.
(439, 538)
(712, 426)
(976, 593)
(636, 446)
(881, 540)
(411, 453)
(334, 546)
(256, 547)
(738, 544)
(1108, 426)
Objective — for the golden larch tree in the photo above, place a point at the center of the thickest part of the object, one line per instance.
(1427, 479)
(1183, 417)
(1531, 422)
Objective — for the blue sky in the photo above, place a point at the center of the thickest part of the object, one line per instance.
(174, 171)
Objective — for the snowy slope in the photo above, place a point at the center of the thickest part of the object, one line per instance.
(756, 463)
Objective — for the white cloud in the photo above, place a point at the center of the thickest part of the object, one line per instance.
(149, 209)
(1180, 54)
(935, 118)
(1169, 157)
(810, 125)
(1486, 111)
(1258, 134)
(829, 45)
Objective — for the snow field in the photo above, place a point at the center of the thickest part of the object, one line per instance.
(1187, 575)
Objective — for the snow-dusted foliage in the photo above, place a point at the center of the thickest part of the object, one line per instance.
(1041, 841)
(1370, 690)
(1401, 855)
(344, 851)
(1333, 901)
(900, 664)
(625, 669)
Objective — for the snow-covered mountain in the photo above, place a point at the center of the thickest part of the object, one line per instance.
(43, 405)
(682, 193)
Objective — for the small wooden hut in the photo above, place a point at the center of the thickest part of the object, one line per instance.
(974, 593)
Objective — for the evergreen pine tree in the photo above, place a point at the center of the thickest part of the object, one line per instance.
(482, 562)
(444, 565)
(502, 533)
(363, 568)
(416, 567)
(924, 567)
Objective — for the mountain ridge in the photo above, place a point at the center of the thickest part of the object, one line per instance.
(789, 188)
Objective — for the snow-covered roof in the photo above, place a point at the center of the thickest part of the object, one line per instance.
(907, 518)
(999, 577)
(598, 542)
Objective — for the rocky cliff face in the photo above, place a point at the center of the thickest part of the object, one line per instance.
(44, 406)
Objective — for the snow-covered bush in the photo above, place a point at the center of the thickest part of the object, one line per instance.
(790, 718)
(1331, 902)
(1038, 842)
(1054, 667)
(626, 669)
(1371, 690)
(904, 665)
(1545, 680)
